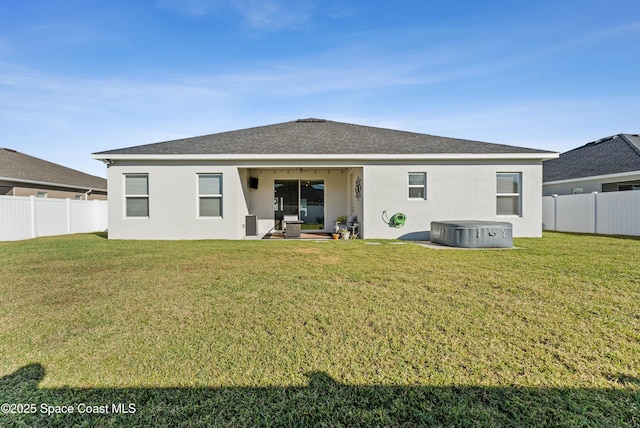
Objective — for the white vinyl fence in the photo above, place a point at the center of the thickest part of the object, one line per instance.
(610, 213)
(24, 217)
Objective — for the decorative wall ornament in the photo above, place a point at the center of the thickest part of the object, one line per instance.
(358, 188)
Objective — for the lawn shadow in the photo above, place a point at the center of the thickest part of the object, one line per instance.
(324, 401)
(602, 235)
(103, 235)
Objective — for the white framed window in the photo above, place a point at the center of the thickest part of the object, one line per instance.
(209, 195)
(508, 193)
(136, 193)
(41, 195)
(418, 185)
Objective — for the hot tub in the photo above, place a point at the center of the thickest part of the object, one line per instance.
(472, 234)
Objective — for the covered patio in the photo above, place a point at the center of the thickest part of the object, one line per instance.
(315, 196)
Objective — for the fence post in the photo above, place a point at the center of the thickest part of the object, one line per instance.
(32, 205)
(555, 212)
(595, 212)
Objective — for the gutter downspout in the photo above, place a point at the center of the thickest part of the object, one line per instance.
(86, 194)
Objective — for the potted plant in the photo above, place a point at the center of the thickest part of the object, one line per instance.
(344, 233)
(336, 236)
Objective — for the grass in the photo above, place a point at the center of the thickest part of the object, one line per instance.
(322, 333)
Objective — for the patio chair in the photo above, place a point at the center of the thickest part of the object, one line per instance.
(353, 226)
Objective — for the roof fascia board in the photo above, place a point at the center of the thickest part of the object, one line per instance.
(46, 183)
(331, 157)
(595, 177)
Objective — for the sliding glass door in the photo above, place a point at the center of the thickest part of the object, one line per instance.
(286, 200)
(312, 204)
(302, 198)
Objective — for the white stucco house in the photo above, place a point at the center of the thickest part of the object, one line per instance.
(205, 187)
(610, 164)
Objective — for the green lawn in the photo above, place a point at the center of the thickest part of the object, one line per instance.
(328, 333)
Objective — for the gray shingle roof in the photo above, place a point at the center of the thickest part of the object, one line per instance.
(611, 155)
(318, 136)
(18, 166)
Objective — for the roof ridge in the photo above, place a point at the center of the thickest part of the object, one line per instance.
(317, 136)
(215, 134)
(21, 166)
(414, 133)
(307, 120)
(57, 165)
(631, 144)
(606, 139)
(311, 120)
(603, 156)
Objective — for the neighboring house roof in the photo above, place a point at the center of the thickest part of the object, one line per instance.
(612, 155)
(318, 137)
(18, 167)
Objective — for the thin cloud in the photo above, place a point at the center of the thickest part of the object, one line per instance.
(257, 14)
(275, 14)
(557, 124)
(559, 47)
(342, 11)
(192, 7)
(344, 71)
(51, 101)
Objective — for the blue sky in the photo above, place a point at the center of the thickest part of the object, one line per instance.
(80, 76)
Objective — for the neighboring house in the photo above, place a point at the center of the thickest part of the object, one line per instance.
(611, 164)
(24, 175)
(203, 187)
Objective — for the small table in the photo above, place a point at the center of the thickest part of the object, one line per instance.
(292, 228)
(353, 228)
